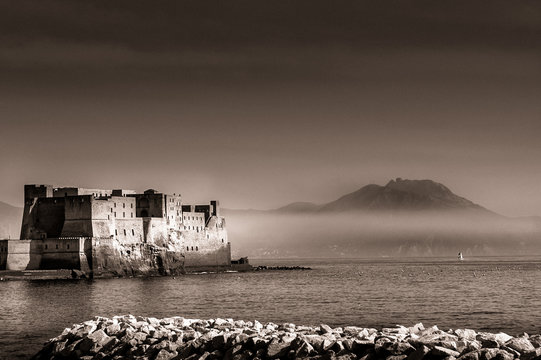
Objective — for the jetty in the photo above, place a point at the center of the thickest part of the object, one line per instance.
(136, 337)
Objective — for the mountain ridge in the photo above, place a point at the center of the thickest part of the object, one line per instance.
(397, 195)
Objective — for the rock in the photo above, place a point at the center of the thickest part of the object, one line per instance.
(501, 338)
(324, 329)
(494, 353)
(258, 326)
(179, 338)
(352, 330)
(277, 348)
(520, 344)
(328, 344)
(112, 329)
(535, 340)
(396, 357)
(398, 348)
(466, 334)
(419, 353)
(417, 328)
(316, 341)
(487, 340)
(532, 355)
(441, 352)
(472, 355)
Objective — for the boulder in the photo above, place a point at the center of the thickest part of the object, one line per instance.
(324, 329)
(520, 344)
(419, 353)
(277, 348)
(472, 355)
(440, 352)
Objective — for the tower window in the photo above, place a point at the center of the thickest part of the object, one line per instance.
(124, 232)
(132, 232)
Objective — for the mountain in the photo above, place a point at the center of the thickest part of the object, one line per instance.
(401, 218)
(298, 207)
(10, 221)
(398, 194)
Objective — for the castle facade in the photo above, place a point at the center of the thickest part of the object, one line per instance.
(117, 232)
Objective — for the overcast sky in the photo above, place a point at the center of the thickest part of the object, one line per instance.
(261, 103)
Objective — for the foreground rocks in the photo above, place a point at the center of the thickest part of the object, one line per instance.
(178, 338)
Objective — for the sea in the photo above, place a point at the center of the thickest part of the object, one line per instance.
(485, 293)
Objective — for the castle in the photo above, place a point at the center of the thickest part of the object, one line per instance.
(116, 232)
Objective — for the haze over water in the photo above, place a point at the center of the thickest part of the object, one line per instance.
(495, 294)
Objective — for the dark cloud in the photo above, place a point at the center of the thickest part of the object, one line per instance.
(273, 101)
(182, 25)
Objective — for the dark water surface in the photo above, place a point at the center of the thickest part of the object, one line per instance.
(495, 294)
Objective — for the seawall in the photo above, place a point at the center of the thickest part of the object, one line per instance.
(179, 338)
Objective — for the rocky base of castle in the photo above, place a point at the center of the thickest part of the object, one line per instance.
(178, 338)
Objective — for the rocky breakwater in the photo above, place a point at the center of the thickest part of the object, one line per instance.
(178, 338)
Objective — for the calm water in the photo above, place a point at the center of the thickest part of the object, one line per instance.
(483, 294)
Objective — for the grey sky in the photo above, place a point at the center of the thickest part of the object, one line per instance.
(263, 103)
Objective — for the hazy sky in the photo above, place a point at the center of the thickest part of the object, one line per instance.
(260, 103)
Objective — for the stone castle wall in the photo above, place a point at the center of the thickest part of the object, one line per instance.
(106, 231)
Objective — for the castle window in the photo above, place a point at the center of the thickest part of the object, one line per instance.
(111, 209)
(132, 214)
(45, 246)
(192, 248)
(67, 246)
(123, 214)
(131, 205)
(187, 248)
(115, 213)
(196, 248)
(108, 217)
(115, 204)
(123, 205)
(116, 233)
(222, 241)
(132, 232)
(124, 232)
(57, 246)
